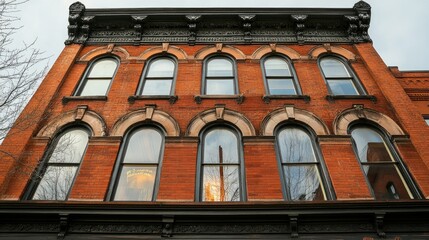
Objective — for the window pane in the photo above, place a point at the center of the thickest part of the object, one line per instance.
(157, 87)
(303, 183)
(144, 146)
(220, 87)
(370, 146)
(427, 121)
(281, 87)
(295, 146)
(220, 146)
(221, 183)
(97, 87)
(104, 68)
(276, 67)
(70, 148)
(382, 178)
(136, 184)
(333, 68)
(219, 67)
(55, 184)
(161, 68)
(342, 87)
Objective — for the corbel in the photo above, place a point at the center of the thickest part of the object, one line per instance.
(64, 224)
(293, 221)
(299, 27)
(192, 26)
(167, 226)
(363, 11)
(247, 27)
(86, 28)
(76, 11)
(353, 27)
(138, 27)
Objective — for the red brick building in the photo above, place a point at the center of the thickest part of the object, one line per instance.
(219, 123)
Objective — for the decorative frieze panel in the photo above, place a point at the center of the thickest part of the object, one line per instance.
(238, 26)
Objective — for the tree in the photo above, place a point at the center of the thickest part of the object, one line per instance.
(21, 69)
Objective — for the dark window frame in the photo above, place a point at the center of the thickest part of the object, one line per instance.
(361, 91)
(205, 77)
(200, 168)
(321, 165)
(84, 79)
(44, 164)
(294, 76)
(408, 179)
(146, 70)
(114, 180)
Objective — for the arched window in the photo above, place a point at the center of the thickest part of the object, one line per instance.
(279, 76)
(221, 168)
(301, 167)
(158, 77)
(59, 171)
(138, 168)
(219, 76)
(339, 78)
(98, 77)
(384, 172)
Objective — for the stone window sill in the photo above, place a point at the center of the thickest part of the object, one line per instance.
(239, 98)
(67, 99)
(267, 98)
(332, 98)
(171, 98)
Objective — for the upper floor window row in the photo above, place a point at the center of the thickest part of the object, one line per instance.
(220, 76)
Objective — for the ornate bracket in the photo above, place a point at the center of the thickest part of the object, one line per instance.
(293, 219)
(192, 25)
(76, 11)
(247, 26)
(138, 27)
(299, 27)
(363, 10)
(167, 226)
(85, 29)
(353, 27)
(64, 224)
(379, 224)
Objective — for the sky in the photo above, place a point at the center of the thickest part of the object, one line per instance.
(399, 28)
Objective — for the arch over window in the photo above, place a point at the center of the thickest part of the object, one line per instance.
(219, 76)
(58, 172)
(279, 76)
(302, 171)
(385, 173)
(158, 77)
(339, 77)
(98, 77)
(221, 167)
(136, 176)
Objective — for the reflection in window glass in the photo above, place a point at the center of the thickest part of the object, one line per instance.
(278, 76)
(159, 77)
(139, 166)
(98, 78)
(300, 166)
(427, 121)
(60, 169)
(339, 79)
(219, 76)
(220, 166)
(379, 165)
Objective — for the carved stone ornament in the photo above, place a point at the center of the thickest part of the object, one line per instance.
(362, 5)
(77, 7)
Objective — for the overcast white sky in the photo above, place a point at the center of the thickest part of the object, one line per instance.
(399, 28)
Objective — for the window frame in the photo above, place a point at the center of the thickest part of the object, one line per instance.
(146, 70)
(408, 180)
(360, 89)
(294, 76)
(205, 77)
(84, 79)
(40, 171)
(320, 162)
(200, 165)
(114, 179)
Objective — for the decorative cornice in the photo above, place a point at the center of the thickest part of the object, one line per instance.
(211, 25)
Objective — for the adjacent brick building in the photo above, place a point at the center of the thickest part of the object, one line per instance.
(219, 123)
